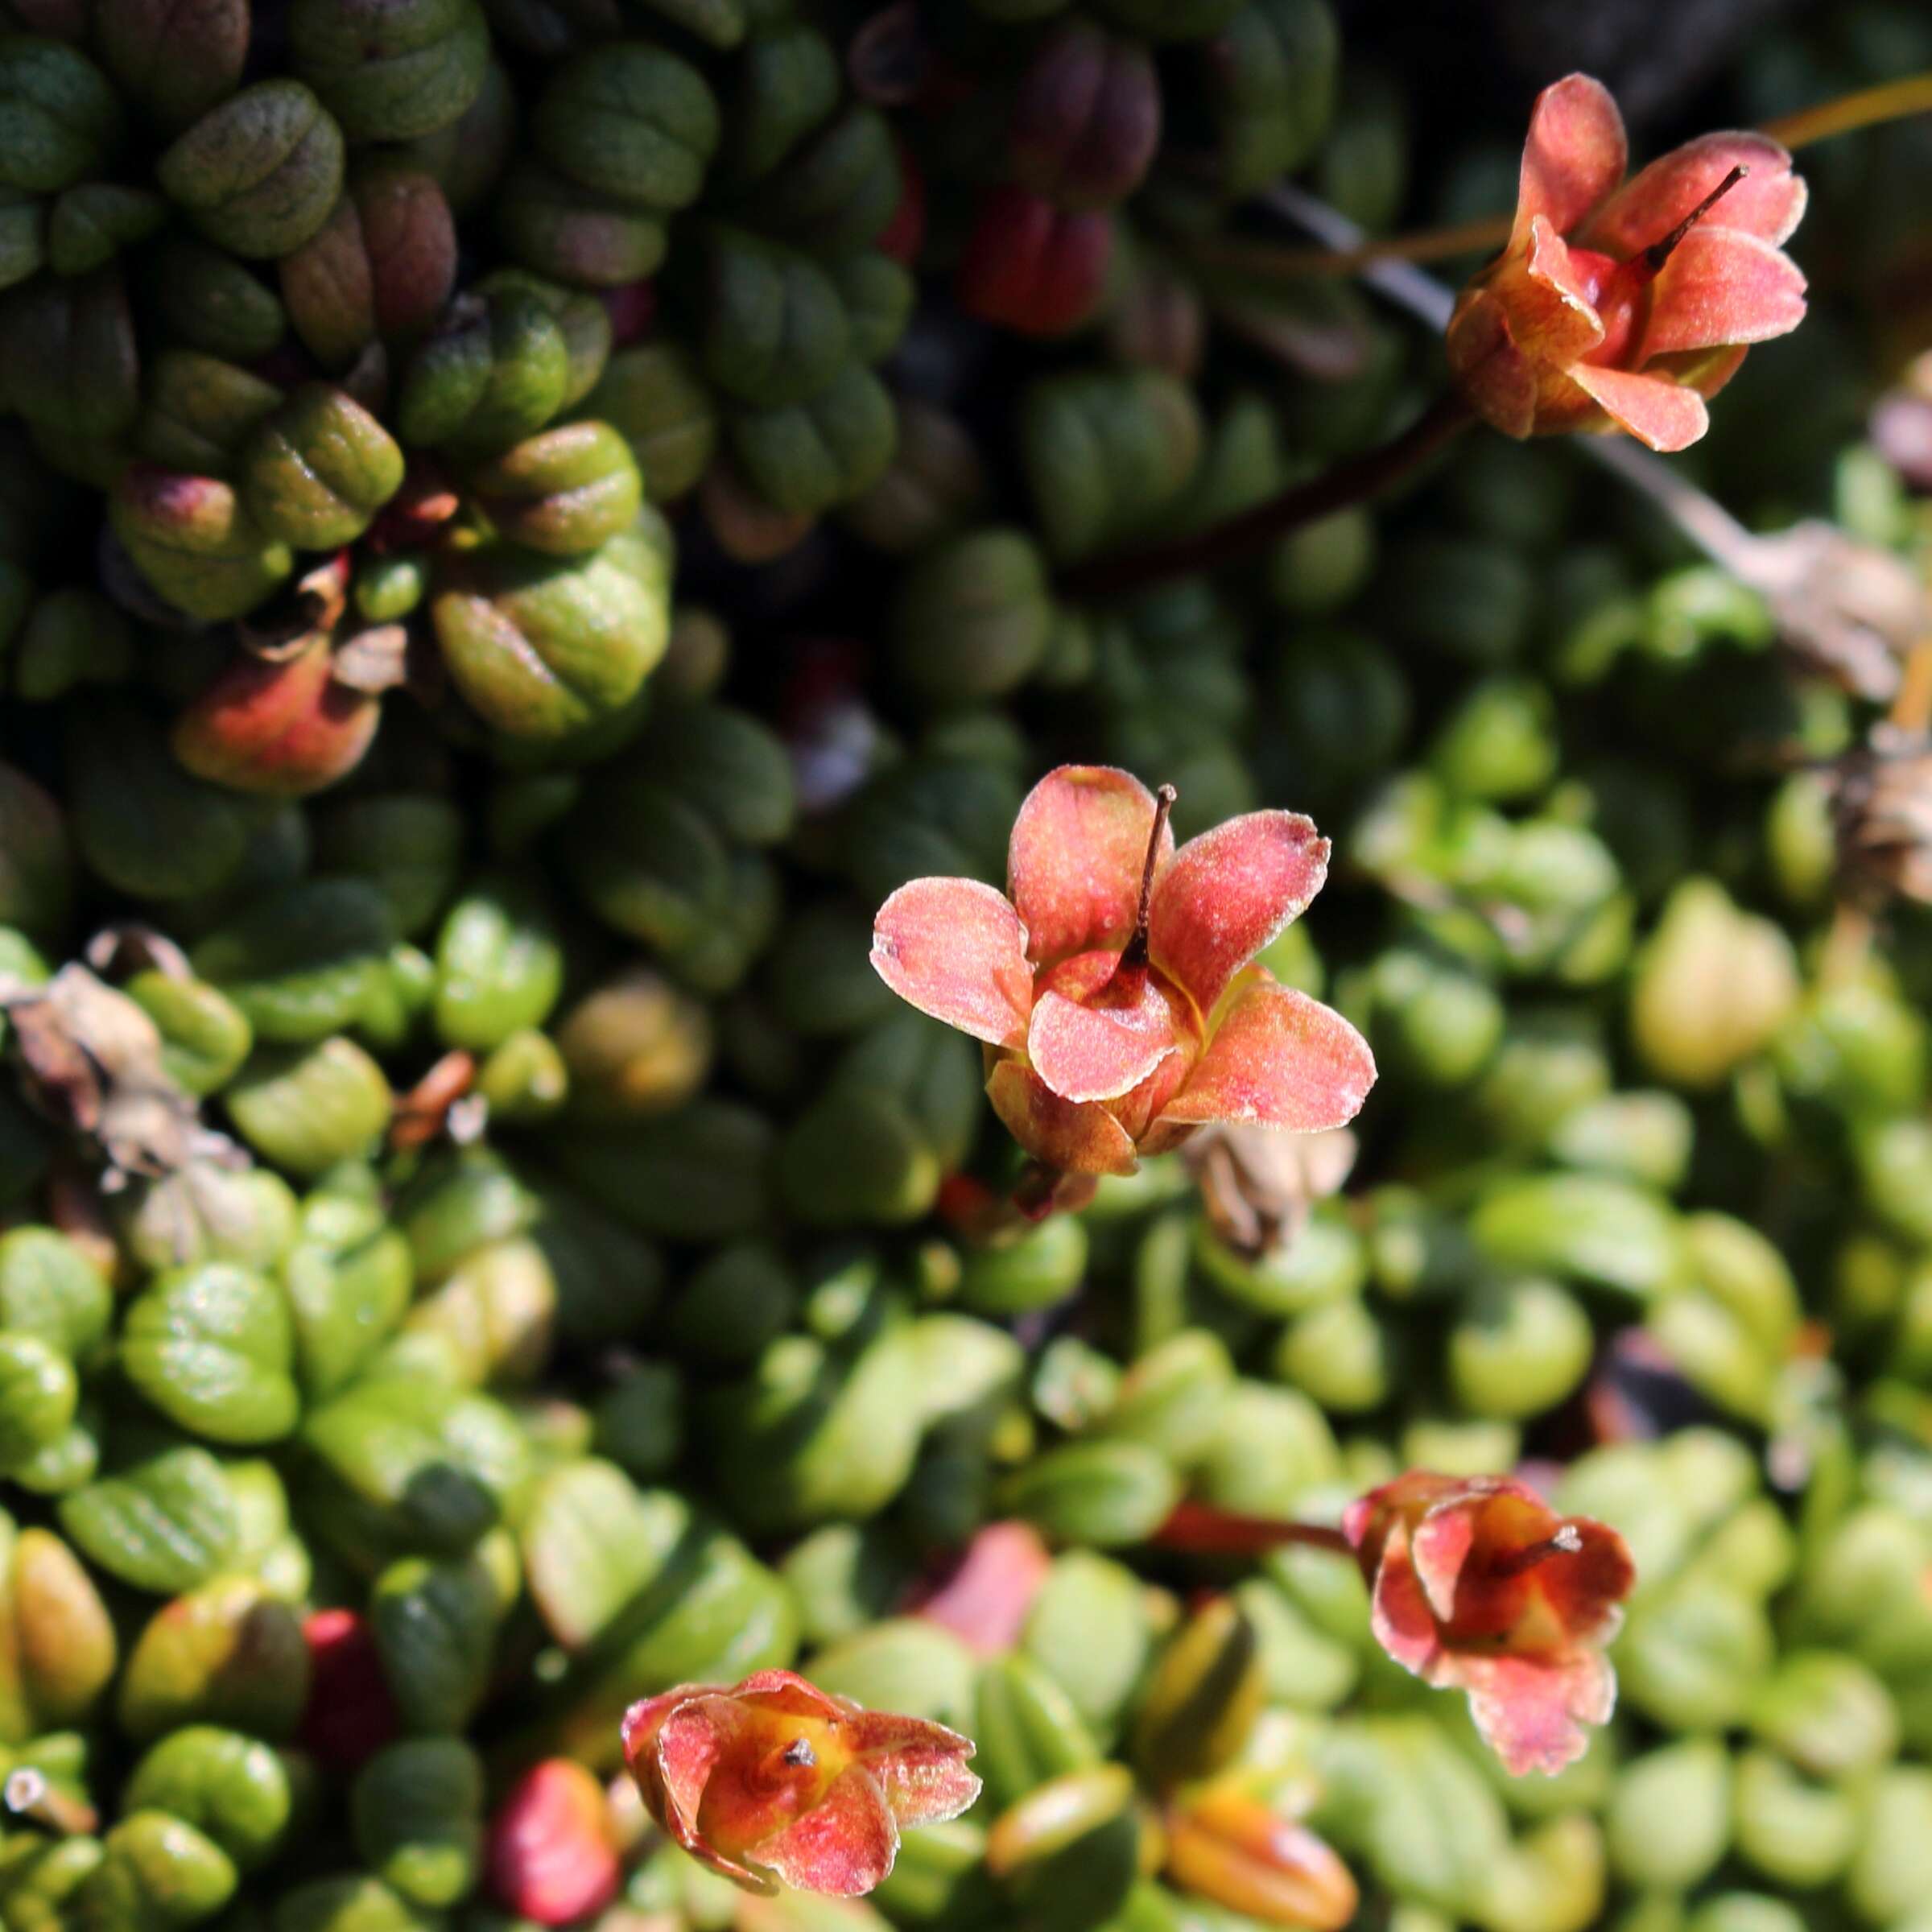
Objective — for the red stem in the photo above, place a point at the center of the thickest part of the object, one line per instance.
(1199, 1529)
(1354, 481)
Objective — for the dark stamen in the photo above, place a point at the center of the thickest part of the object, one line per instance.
(1659, 253)
(1136, 954)
(800, 1753)
(1566, 1541)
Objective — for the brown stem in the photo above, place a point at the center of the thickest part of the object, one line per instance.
(1199, 1529)
(1133, 954)
(28, 1794)
(1356, 480)
(1566, 1541)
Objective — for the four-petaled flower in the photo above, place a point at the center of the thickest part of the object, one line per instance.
(1627, 304)
(777, 1779)
(1112, 987)
(1479, 1583)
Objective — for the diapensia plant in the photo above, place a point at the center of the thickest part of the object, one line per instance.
(1113, 989)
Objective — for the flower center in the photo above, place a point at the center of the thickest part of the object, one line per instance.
(1621, 290)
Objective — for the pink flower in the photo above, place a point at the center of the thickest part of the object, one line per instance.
(1111, 987)
(552, 1854)
(777, 1779)
(1627, 304)
(1478, 1582)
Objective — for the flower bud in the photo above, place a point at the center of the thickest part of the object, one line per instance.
(350, 1714)
(1030, 267)
(259, 174)
(390, 70)
(1086, 119)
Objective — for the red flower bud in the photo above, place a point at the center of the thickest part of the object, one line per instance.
(1032, 267)
(1086, 119)
(552, 1852)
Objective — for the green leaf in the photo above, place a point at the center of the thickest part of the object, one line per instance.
(213, 1348)
(416, 1810)
(240, 1792)
(161, 1522)
(591, 1543)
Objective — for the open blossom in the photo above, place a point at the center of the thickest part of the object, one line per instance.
(1477, 1583)
(1111, 987)
(1626, 303)
(777, 1779)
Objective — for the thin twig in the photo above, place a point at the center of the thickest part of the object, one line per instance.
(1356, 480)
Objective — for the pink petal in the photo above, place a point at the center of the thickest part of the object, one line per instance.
(691, 1741)
(1768, 203)
(644, 1719)
(1575, 156)
(844, 1845)
(1076, 1138)
(1098, 1053)
(1074, 860)
(785, 1691)
(955, 949)
(1720, 287)
(1553, 317)
(1441, 1545)
(1228, 893)
(1399, 1614)
(923, 1772)
(1278, 1058)
(1532, 1709)
(1663, 415)
(1490, 371)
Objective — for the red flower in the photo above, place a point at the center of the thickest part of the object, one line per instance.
(1629, 304)
(1109, 988)
(281, 727)
(776, 1779)
(553, 1856)
(1478, 1582)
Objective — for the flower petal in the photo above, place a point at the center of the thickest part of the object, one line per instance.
(1574, 157)
(1076, 1138)
(1553, 317)
(1662, 414)
(645, 1719)
(1278, 1058)
(955, 949)
(1768, 203)
(1098, 1053)
(1490, 371)
(844, 1845)
(1720, 287)
(1532, 1710)
(1584, 1588)
(1399, 1614)
(691, 1741)
(920, 1766)
(1440, 1546)
(1228, 893)
(785, 1691)
(1074, 860)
